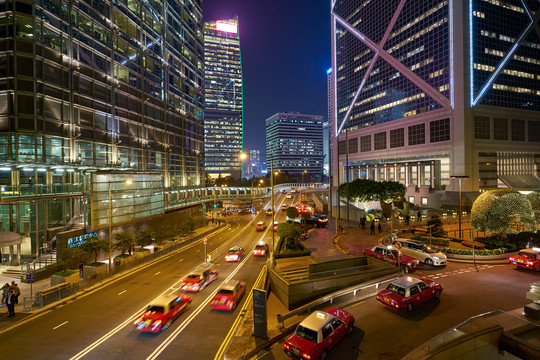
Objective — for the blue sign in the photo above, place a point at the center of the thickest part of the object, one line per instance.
(79, 240)
(30, 278)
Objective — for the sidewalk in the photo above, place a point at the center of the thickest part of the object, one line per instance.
(31, 289)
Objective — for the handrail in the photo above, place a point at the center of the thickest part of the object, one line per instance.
(330, 297)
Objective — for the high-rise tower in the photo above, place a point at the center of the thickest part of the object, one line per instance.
(428, 91)
(223, 116)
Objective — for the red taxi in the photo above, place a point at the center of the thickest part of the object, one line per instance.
(269, 212)
(198, 281)
(407, 292)
(260, 226)
(390, 255)
(162, 312)
(276, 224)
(527, 258)
(318, 333)
(229, 295)
(284, 207)
(234, 254)
(261, 249)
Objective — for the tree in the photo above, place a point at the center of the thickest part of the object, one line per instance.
(289, 232)
(292, 212)
(94, 245)
(365, 190)
(124, 241)
(502, 212)
(534, 199)
(436, 225)
(71, 256)
(146, 237)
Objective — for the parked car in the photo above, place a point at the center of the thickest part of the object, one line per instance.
(527, 258)
(160, 314)
(260, 226)
(198, 281)
(234, 254)
(261, 249)
(318, 333)
(390, 255)
(405, 293)
(317, 220)
(423, 253)
(229, 295)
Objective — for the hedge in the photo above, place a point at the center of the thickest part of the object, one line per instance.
(499, 251)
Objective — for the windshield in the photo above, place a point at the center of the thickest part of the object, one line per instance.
(394, 253)
(159, 309)
(306, 333)
(194, 276)
(396, 289)
(225, 292)
(259, 247)
(233, 251)
(526, 254)
(428, 250)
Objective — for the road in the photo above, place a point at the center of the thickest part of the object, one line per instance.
(382, 334)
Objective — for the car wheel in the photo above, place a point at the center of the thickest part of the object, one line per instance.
(437, 294)
(410, 306)
(429, 262)
(323, 355)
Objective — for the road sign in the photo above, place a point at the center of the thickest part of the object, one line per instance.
(387, 241)
(205, 239)
(398, 245)
(30, 278)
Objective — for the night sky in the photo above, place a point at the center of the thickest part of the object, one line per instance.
(285, 47)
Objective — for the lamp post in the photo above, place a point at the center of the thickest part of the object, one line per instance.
(244, 156)
(128, 182)
(459, 177)
(303, 172)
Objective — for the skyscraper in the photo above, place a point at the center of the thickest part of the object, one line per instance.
(92, 95)
(223, 116)
(296, 142)
(426, 91)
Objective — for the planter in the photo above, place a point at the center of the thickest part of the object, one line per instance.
(56, 279)
(91, 270)
(122, 259)
(141, 253)
(480, 257)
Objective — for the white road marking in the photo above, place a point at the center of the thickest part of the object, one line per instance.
(180, 260)
(159, 272)
(198, 250)
(62, 324)
(121, 292)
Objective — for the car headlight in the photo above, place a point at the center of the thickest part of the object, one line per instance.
(436, 258)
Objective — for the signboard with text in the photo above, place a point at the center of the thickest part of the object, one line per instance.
(259, 314)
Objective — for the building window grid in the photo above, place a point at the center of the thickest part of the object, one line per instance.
(365, 143)
(417, 134)
(439, 130)
(397, 138)
(379, 140)
(482, 128)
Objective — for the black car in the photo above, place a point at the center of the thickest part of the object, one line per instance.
(317, 220)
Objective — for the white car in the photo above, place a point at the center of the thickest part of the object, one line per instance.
(420, 251)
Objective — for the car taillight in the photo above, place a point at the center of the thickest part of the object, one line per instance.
(287, 346)
(306, 356)
(156, 324)
(136, 322)
(213, 302)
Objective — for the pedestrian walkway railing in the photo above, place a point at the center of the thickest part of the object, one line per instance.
(360, 288)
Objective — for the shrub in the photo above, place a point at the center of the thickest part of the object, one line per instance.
(66, 273)
(477, 245)
(434, 240)
(499, 251)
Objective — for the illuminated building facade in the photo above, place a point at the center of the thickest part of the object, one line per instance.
(91, 91)
(429, 90)
(296, 142)
(223, 117)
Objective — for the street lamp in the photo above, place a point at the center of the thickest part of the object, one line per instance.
(459, 177)
(244, 156)
(128, 182)
(303, 172)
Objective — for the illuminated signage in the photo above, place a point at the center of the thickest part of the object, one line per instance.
(225, 27)
(79, 240)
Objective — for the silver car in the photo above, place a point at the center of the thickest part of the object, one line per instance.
(420, 251)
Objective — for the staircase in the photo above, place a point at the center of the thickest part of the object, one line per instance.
(12, 272)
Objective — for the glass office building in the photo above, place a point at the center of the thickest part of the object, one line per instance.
(108, 86)
(223, 117)
(296, 142)
(425, 91)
